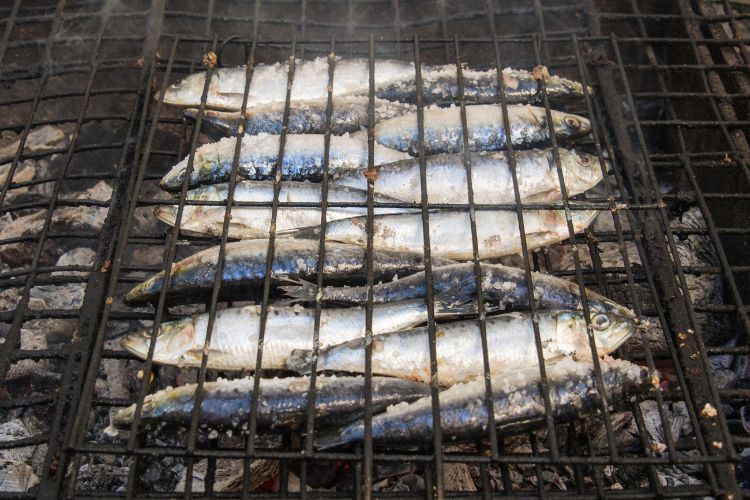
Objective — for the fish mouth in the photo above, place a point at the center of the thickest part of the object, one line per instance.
(619, 334)
(166, 213)
(137, 343)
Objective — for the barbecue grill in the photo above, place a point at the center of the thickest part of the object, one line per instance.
(670, 92)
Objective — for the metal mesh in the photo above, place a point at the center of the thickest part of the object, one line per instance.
(670, 88)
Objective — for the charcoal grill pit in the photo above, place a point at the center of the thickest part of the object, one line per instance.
(670, 90)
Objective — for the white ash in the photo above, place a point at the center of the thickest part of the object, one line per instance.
(41, 139)
(68, 295)
(75, 219)
(25, 368)
(16, 476)
(695, 250)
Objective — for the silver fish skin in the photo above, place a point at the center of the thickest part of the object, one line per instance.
(282, 404)
(259, 154)
(450, 231)
(255, 222)
(491, 177)
(192, 278)
(517, 401)
(443, 132)
(349, 114)
(234, 341)
(504, 288)
(510, 346)
(394, 80)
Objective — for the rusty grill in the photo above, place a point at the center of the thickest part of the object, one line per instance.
(668, 108)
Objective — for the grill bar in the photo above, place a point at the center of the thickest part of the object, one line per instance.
(622, 135)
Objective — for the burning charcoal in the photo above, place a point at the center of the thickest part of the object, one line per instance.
(99, 476)
(229, 475)
(679, 422)
(458, 477)
(408, 483)
(30, 375)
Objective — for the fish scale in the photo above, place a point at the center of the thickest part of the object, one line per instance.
(393, 79)
(234, 340)
(283, 403)
(510, 340)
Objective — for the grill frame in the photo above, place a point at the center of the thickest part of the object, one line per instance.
(82, 360)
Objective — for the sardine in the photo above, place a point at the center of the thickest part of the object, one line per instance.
(517, 402)
(234, 341)
(349, 114)
(394, 80)
(443, 132)
(192, 279)
(510, 346)
(255, 221)
(491, 177)
(283, 402)
(450, 231)
(503, 288)
(303, 159)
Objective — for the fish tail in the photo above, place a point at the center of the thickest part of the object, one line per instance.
(331, 438)
(299, 291)
(300, 361)
(302, 233)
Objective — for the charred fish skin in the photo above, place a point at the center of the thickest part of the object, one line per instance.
(492, 178)
(235, 337)
(394, 80)
(480, 87)
(443, 130)
(245, 265)
(255, 221)
(517, 399)
(498, 233)
(510, 346)
(504, 288)
(349, 114)
(259, 154)
(283, 402)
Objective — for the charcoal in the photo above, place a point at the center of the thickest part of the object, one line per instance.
(458, 477)
(99, 476)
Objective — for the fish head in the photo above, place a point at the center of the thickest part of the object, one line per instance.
(582, 219)
(610, 331)
(570, 125)
(174, 343)
(582, 171)
(186, 92)
(558, 86)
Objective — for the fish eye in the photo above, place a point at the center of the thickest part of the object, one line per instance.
(572, 122)
(585, 160)
(600, 322)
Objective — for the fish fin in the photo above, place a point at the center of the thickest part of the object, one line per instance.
(302, 233)
(299, 291)
(300, 361)
(455, 302)
(331, 438)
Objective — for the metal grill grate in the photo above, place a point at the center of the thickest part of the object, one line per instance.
(670, 88)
